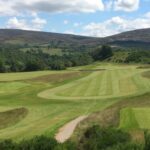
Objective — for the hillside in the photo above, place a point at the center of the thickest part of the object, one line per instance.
(32, 37)
(136, 38)
(141, 35)
(132, 39)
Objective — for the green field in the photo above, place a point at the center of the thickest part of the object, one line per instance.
(135, 118)
(109, 82)
(47, 100)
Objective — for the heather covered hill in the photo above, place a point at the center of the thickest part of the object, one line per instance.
(135, 38)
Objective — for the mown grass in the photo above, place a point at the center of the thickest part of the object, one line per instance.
(134, 118)
(112, 117)
(71, 93)
(112, 82)
(128, 119)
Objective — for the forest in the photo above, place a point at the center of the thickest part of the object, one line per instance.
(12, 59)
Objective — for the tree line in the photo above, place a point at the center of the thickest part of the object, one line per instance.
(12, 59)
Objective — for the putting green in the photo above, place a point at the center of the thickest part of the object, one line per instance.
(112, 82)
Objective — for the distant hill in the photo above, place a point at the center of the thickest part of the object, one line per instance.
(136, 38)
(132, 39)
(32, 37)
(141, 35)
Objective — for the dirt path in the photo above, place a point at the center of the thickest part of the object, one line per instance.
(66, 131)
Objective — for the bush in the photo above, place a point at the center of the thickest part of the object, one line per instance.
(127, 146)
(38, 143)
(7, 145)
(96, 138)
(34, 66)
(66, 146)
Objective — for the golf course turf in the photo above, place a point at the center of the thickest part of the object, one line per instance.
(52, 98)
(134, 118)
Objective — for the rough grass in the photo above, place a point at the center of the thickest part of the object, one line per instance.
(5, 77)
(57, 77)
(111, 117)
(11, 117)
(146, 74)
(69, 96)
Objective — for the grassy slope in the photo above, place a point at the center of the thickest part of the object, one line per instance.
(134, 118)
(128, 119)
(45, 116)
(111, 115)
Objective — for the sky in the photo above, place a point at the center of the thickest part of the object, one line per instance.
(97, 18)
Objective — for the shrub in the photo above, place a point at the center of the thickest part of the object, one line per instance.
(96, 138)
(38, 143)
(7, 145)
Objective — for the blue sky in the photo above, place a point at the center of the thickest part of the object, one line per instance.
(84, 17)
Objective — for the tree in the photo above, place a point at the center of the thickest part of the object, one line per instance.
(57, 65)
(102, 53)
(2, 66)
(106, 52)
(16, 66)
(34, 66)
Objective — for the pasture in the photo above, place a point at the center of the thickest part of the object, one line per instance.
(46, 100)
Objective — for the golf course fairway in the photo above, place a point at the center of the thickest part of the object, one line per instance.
(48, 100)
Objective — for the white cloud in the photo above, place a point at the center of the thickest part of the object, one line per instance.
(147, 15)
(35, 24)
(109, 5)
(17, 24)
(126, 5)
(116, 25)
(38, 23)
(6, 8)
(66, 22)
(77, 24)
(69, 32)
(15, 7)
